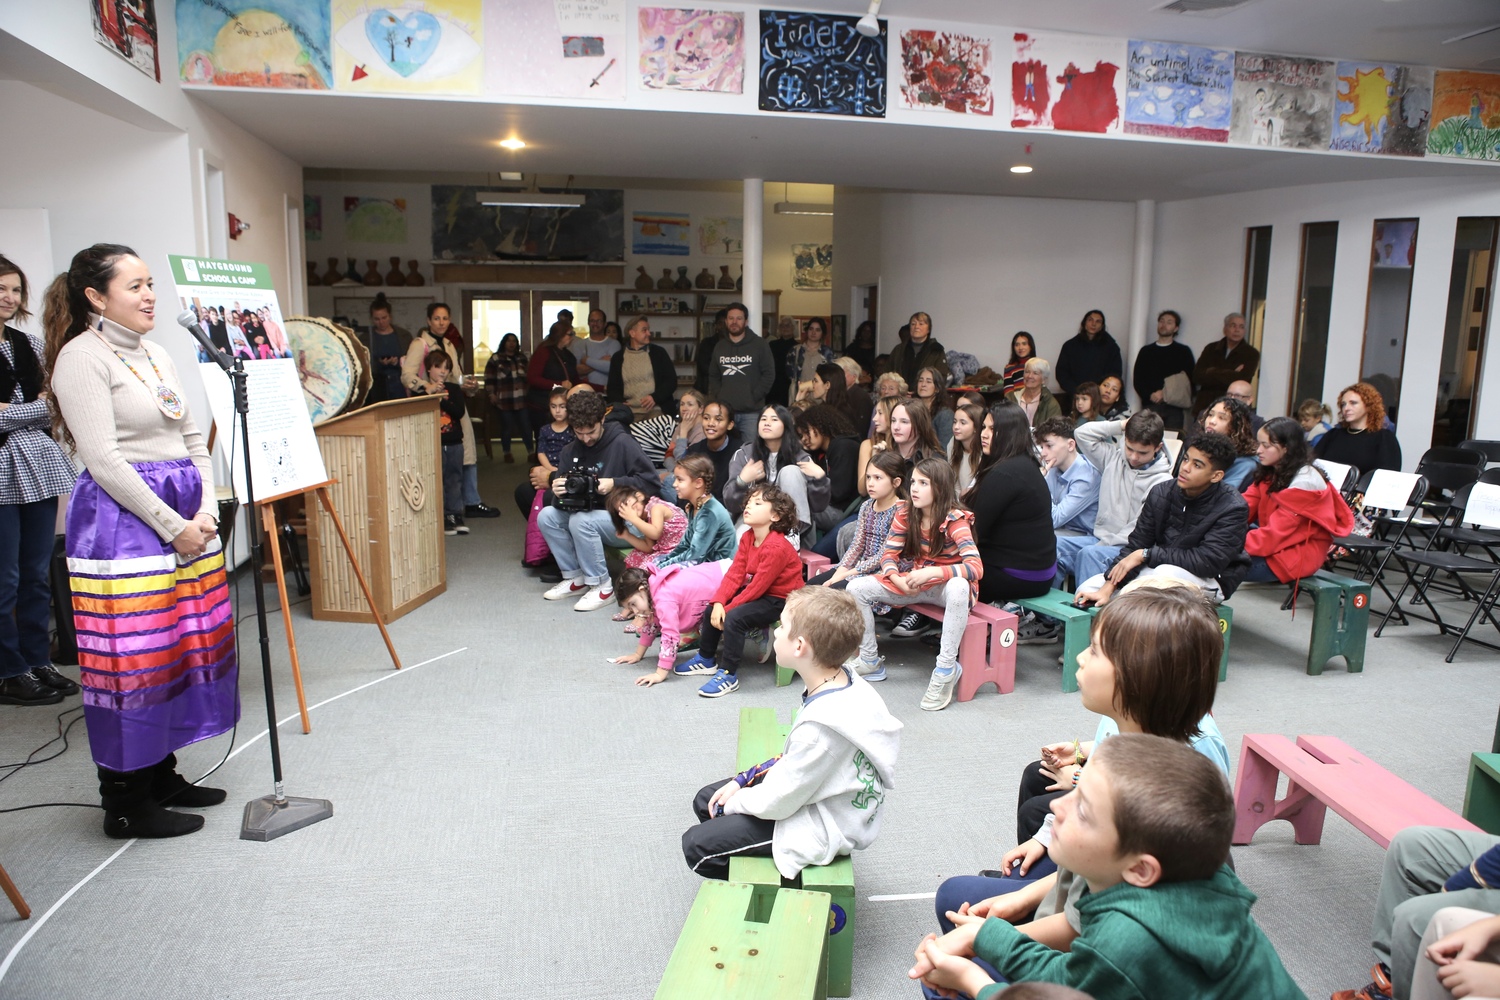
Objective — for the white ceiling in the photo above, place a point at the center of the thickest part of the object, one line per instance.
(322, 130)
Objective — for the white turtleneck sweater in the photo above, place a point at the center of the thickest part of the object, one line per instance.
(115, 421)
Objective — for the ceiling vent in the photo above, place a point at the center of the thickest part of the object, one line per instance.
(1201, 8)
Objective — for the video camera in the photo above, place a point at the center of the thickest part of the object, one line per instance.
(580, 492)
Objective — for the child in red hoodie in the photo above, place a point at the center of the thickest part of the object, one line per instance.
(1295, 512)
(765, 570)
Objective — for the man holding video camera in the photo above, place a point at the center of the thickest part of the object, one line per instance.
(576, 525)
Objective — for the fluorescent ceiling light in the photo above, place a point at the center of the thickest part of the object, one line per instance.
(512, 143)
(868, 25)
(529, 199)
(510, 175)
(1020, 168)
(801, 208)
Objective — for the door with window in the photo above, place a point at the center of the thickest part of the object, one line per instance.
(1470, 289)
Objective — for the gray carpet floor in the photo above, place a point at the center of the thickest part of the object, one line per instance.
(506, 816)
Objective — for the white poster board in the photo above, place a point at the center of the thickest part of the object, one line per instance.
(284, 453)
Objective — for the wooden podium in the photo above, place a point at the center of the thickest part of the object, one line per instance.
(386, 464)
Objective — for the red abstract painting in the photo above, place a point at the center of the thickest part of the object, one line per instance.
(1072, 83)
(1086, 102)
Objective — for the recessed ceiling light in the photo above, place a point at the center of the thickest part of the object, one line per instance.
(1020, 168)
(512, 144)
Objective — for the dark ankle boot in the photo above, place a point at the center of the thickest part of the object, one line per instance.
(130, 812)
(169, 788)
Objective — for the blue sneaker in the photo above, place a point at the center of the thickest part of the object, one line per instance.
(720, 684)
(872, 672)
(699, 664)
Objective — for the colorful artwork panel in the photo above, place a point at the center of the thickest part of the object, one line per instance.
(702, 50)
(556, 48)
(721, 236)
(375, 220)
(434, 46)
(1381, 108)
(128, 29)
(1178, 91)
(1282, 101)
(1465, 115)
(283, 44)
(819, 64)
(812, 266)
(944, 71)
(1072, 83)
(463, 229)
(661, 234)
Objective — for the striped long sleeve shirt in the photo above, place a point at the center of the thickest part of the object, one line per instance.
(956, 556)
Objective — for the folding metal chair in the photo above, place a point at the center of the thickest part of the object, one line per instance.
(1477, 504)
(1344, 477)
(1458, 538)
(1461, 455)
(1395, 498)
(1489, 449)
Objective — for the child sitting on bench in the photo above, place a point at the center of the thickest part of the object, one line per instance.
(766, 569)
(885, 488)
(1148, 829)
(821, 797)
(710, 530)
(666, 601)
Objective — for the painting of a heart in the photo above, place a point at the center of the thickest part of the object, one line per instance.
(404, 39)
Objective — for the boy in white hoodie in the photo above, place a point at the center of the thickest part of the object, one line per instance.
(822, 796)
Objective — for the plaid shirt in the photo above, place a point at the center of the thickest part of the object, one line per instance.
(505, 381)
(32, 466)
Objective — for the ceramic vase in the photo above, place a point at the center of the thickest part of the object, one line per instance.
(372, 274)
(683, 283)
(643, 282)
(704, 279)
(414, 277)
(333, 275)
(665, 283)
(394, 277)
(725, 281)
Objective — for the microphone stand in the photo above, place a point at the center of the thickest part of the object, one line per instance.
(275, 815)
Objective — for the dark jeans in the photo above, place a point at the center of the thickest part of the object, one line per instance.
(822, 578)
(1260, 571)
(517, 422)
(828, 545)
(27, 531)
(709, 845)
(1034, 802)
(453, 479)
(961, 889)
(759, 613)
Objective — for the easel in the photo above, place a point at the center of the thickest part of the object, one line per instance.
(268, 521)
(15, 895)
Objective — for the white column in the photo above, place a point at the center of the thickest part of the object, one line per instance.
(754, 231)
(1141, 330)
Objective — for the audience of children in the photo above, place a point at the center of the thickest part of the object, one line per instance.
(932, 390)
(1012, 513)
(649, 525)
(1313, 416)
(967, 450)
(439, 367)
(822, 796)
(1072, 481)
(721, 440)
(834, 447)
(1192, 529)
(1233, 419)
(1088, 403)
(1112, 398)
(666, 601)
(1295, 512)
(766, 569)
(709, 535)
(776, 456)
(885, 491)
(1131, 460)
(929, 558)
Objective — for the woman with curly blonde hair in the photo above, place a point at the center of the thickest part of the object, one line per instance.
(1361, 438)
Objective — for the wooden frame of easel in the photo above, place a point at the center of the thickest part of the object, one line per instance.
(14, 894)
(268, 525)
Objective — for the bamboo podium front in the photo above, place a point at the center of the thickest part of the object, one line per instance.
(386, 465)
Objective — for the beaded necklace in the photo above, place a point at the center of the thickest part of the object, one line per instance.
(167, 399)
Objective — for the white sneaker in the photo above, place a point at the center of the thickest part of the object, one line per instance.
(567, 588)
(596, 598)
(940, 690)
(872, 672)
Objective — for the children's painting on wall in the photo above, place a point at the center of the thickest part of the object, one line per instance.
(463, 229)
(1073, 83)
(812, 266)
(946, 71)
(556, 48)
(128, 28)
(375, 220)
(819, 64)
(1465, 115)
(721, 236)
(1395, 243)
(254, 43)
(661, 234)
(700, 50)
(1282, 101)
(1178, 91)
(433, 46)
(312, 217)
(1381, 108)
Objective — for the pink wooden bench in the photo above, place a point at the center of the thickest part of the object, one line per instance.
(1324, 772)
(987, 652)
(813, 564)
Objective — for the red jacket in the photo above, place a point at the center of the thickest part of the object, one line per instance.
(770, 569)
(1296, 525)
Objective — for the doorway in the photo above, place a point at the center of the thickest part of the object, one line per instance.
(1470, 288)
(527, 314)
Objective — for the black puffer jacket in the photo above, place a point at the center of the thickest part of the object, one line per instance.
(1205, 534)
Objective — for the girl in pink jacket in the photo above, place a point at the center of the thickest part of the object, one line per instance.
(668, 601)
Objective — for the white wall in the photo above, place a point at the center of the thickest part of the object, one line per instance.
(1199, 271)
(986, 267)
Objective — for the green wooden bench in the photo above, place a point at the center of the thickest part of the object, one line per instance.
(726, 952)
(1482, 797)
(1077, 622)
(1341, 620)
(761, 738)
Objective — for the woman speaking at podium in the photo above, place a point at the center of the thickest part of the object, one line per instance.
(150, 598)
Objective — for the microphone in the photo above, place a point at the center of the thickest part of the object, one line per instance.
(188, 320)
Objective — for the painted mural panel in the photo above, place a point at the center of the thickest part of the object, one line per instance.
(1178, 91)
(1465, 115)
(701, 50)
(1381, 108)
(1073, 83)
(1282, 101)
(556, 48)
(255, 43)
(463, 229)
(819, 64)
(946, 71)
(128, 29)
(434, 46)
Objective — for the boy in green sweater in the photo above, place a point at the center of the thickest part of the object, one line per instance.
(1148, 828)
